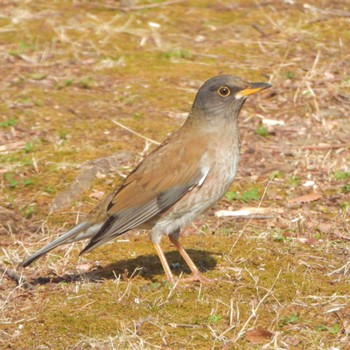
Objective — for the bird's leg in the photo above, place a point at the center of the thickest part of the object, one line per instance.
(164, 262)
(196, 274)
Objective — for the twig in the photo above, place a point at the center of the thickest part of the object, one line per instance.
(172, 289)
(140, 322)
(20, 280)
(345, 269)
(251, 218)
(135, 132)
(336, 13)
(307, 76)
(184, 325)
(247, 213)
(259, 30)
(276, 72)
(326, 147)
(136, 7)
(253, 314)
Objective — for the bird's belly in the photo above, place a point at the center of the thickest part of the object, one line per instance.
(197, 200)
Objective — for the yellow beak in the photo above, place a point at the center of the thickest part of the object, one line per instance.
(252, 89)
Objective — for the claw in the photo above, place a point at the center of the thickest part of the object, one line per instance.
(197, 277)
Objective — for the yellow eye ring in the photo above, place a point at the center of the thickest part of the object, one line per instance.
(224, 91)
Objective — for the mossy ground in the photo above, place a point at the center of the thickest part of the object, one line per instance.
(68, 68)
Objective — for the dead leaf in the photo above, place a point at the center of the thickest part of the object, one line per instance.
(97, 195)
(258, 335)
(340, 235)
(85, 267)
(292, 340)
(248, 211)
(311, 241)
(88, 172)
(311, 197)
(325, 227)
(14, 146)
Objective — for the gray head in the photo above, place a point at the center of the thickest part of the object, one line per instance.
(224, 95)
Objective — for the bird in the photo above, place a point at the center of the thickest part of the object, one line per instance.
(182, 178)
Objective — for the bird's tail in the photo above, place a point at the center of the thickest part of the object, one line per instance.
(80, 232)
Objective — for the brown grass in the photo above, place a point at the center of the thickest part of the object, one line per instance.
(69, 69)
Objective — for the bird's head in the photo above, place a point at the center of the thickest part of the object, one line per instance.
(224, 96)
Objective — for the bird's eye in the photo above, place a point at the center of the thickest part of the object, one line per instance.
(224, 91)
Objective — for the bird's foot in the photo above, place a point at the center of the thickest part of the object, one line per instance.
(196, 277)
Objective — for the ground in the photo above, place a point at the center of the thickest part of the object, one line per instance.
(71, 69)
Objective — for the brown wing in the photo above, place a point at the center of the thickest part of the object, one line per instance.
(156, 184)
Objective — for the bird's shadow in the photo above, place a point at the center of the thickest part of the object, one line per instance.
(147, 266)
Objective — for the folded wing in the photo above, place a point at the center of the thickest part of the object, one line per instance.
(155, 185)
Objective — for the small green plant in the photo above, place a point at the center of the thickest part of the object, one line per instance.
(277, 174)
(85, 82)
(38, 103)
(65, 83)
(12, 182)
(345, 206)
(277, 237)
(68, 82)
(38, 76)
(262, 131)
(247, 196)
(213, 319)
(346, 82)
(62, 134)
(226, 231)
(27, 162)
(331, 330)
(179, 53)
(232, 195)
(154, 285)
(28, 147)
(28, 211)
(334, 329)
(27, 182)
(341, 175)
(204, 228)
(317, 236)
(48, 189)
(285, 320)
(293, 181)
(126, 100)
(25, 101)
(137, 116)
(290, 75)
(346, 188)
(9, 122)
(23, 47)
(251, 195)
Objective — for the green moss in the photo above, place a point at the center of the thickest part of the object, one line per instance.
(56, 108)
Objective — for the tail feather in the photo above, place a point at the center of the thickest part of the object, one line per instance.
(82, 231)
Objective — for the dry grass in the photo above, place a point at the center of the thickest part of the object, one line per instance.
(72, 69)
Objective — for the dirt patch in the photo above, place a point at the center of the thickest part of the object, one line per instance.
(70, 68)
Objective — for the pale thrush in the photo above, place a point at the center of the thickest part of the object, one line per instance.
(180, 179)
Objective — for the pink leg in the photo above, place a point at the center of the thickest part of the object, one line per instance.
(196, 275)
(164, 262)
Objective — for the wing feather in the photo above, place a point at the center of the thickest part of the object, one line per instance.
(156, 184)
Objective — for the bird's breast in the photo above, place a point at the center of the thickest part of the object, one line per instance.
(223, 170)
(222, 162)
